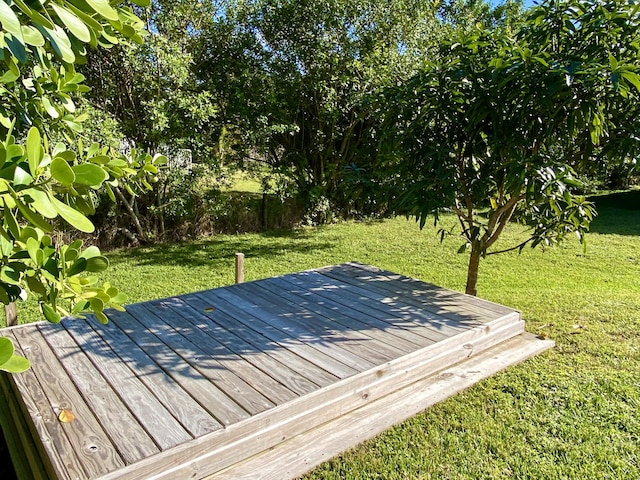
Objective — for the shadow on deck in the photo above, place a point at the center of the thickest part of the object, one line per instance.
(273, 376)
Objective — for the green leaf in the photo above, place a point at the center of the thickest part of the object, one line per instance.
(61, 171)
(49, 108)
(33, 246)
(50, 313)
(41, 203)
(16, 45)
(79, 266)
(72, 22)
(632, 78)
(6, 350)
(103, 8)
(6, 246)
(35, 152)
(9, 19)
(22, 177)
(90, 174)
(34, 15)
(11, 223)
(15, 364)
(102, 318)
(87, 19)
(97, 264)
(90, 252)
(32, 36)
(60, 43)
(73, 217)
(33, 218)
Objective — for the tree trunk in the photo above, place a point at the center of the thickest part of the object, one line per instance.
(472, 271)
(132, 214)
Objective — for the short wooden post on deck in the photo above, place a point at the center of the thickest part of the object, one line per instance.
(239, 267)
(11, 314)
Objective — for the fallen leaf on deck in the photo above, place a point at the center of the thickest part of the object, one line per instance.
(209, 309)
(66, 416)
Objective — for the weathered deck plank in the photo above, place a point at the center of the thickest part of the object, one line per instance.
(168, 390)
(240, 348)
(156, 420)
(216, 382)
(54, 390)
(305, 451)
(223, 408)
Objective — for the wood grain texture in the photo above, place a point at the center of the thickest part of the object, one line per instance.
(54, 390)
(156, 420)
(173, 395)
(128, 436)
(300, 454)
(233, 381)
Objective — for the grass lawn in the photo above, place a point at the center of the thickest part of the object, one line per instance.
(573, 412)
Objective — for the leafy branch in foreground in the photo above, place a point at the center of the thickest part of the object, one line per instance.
(40, 43)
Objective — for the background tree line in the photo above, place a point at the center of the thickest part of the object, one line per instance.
(350, 108)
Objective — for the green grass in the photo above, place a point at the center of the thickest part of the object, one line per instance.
(241, 181)
(573, 412)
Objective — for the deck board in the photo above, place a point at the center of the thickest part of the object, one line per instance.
(221, 381)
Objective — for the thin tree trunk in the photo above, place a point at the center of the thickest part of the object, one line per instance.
(472, 271)
(132, 214)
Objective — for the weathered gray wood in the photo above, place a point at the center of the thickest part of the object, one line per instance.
(156, 420)
(239, 267)
(406, 285)
(168, 390)
(219, 450)
(293, 325)
(396, 316)
(25, 455)
(11, 314)
(232, 374)
(300, 454)
(325, 327)
(254, 320)
(132, 441)
(447, 306)
(305, 375)
(343, 315)
(435, 314)
(243, 366)
(222, 408)
(54, 390)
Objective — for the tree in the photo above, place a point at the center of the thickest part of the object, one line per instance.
(495, 127)
(292, 76)
(42, 182)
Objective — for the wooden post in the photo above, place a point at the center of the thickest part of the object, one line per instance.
(11, 314)
(239, 267)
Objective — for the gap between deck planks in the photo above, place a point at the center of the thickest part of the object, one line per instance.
(192, 385)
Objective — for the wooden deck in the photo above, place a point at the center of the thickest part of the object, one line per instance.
(258, 380)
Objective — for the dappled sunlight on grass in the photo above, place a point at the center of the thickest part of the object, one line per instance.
(570, 413)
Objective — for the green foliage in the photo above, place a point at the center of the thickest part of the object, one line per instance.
(40, 180)
(494, 128)
(291, 78)
(8, 361)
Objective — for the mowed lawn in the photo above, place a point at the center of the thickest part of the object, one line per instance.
(573, 412)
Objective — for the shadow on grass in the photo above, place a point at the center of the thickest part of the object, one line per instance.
(618, 213)
(219, 249)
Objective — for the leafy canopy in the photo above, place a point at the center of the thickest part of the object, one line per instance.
(494, 128)
(46, 173)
